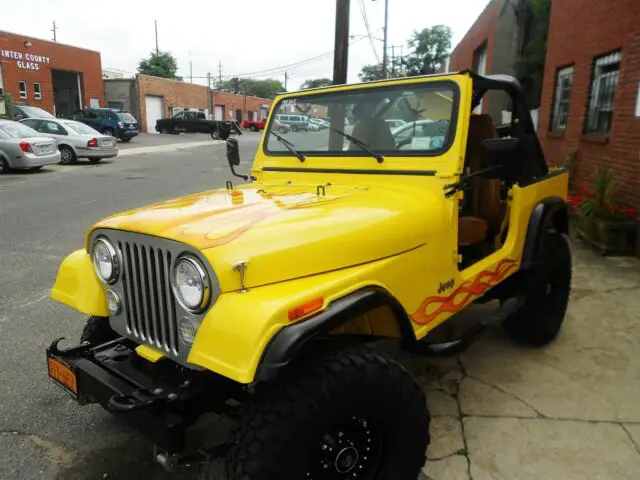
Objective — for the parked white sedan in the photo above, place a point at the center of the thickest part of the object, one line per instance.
(75, 139)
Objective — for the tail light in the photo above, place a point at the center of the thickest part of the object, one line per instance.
(25, 147)
(93, 143)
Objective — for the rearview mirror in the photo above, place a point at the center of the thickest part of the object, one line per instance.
(233, 152)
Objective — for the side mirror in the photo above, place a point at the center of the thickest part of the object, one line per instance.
(233, 152)
(501, 156)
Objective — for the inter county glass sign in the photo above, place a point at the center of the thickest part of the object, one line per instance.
(26, 61)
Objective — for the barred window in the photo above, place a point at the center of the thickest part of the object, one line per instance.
(564, 81)
(603, 89)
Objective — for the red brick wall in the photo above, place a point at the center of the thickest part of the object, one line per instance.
(483, 30)
(579, 31)
(61, 57)
(232, 102)
(175, 93)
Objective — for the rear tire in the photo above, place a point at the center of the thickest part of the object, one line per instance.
(94, 160)
(109, 131)
(67, 155)
(97, 331)
(354, 411)
(253, 128)
(215, 135)
(547, 288)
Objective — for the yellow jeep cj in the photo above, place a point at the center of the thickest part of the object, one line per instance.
(397, 205)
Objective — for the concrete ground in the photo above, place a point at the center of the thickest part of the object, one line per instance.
(500, 411)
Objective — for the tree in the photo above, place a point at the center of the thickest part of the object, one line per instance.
(267, 88)
(162, 65)
(370, 73)
(316, 83)
(429, 49)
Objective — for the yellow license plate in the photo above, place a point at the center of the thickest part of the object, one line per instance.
(63, 375)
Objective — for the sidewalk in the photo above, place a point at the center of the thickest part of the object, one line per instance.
(568, 411)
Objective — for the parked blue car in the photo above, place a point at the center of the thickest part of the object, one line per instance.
(116, 123)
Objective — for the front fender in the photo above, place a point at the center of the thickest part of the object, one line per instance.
(78, 286)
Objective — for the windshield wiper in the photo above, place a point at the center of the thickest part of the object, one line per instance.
(289, 146)
(361, 144)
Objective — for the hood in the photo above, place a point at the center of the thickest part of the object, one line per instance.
(289, 231)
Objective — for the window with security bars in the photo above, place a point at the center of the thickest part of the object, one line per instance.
(602, 94)
(562, 99)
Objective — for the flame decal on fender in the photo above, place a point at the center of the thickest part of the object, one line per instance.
(460, 297)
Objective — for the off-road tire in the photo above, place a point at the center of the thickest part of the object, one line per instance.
(546, 288)
(67, 155)
(281, 433)
(97, 331)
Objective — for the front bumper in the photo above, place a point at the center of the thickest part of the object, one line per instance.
(157, 398)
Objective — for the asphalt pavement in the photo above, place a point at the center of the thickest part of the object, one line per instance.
(43, 217)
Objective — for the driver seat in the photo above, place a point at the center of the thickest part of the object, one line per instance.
(486, 209)
(375, 132)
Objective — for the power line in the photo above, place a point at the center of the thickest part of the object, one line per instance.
(363, 11)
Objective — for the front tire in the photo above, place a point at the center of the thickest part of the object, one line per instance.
(355, 414)
(547, 288)
(4, 166)
(97, 331)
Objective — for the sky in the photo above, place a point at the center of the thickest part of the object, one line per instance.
(247, 37)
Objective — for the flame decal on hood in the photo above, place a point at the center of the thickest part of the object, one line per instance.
(462, 296)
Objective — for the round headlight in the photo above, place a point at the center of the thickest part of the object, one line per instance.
(191, 284)
(105, 260)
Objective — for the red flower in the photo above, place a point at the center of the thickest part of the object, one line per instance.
(630, 212)
(614, 207)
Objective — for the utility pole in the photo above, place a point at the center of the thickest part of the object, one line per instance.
(384, 47)
(393, 60)
(245, 116)
(54, 30)
(286, 78)
(210, 93)
(341, 54)
(157, 51)
(219, 75)
(191, 72)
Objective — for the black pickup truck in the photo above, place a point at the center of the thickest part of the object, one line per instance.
(196, 122)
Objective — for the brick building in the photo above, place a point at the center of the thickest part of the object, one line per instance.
(58, 78)
(150, 98)
(490, 46)
(590, 107)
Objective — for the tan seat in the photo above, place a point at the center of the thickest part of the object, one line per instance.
(487, 209)
(375, 132)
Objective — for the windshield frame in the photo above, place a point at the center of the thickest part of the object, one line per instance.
(309, 97)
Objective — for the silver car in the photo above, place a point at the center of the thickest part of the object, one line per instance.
(21, 147)
(75, 139)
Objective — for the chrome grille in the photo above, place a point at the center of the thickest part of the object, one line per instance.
(150, 307)
(150, 313)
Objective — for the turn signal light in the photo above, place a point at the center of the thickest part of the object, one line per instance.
(25, 147)
(305, 309)
(93, 143)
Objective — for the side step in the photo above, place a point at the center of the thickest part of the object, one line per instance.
(509, 307)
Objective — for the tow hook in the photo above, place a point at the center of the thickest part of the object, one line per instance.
(169, 461)
(140, 399)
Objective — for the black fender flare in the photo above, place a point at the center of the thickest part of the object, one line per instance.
(286, 343)
(552, 212)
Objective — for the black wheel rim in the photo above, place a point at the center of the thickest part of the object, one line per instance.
(350, 450)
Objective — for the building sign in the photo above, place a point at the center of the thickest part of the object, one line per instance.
(26, 61)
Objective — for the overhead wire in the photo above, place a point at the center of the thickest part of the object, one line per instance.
(363, 11)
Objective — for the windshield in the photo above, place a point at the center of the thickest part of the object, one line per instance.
(79, 127)
(421, 117)
(18, 130)
(35, 112)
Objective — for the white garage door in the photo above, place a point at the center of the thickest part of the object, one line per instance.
(154, 112)
(217, 112)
